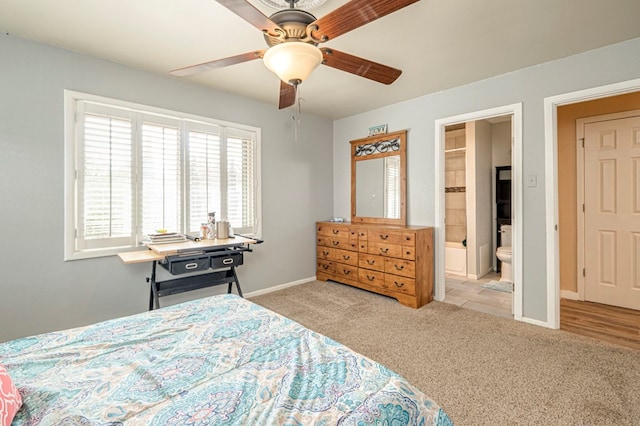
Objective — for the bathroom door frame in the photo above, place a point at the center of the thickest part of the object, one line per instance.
(515, 110)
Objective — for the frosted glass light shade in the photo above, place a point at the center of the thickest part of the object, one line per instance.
(292, 61)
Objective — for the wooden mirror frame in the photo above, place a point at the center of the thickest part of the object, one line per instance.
(374, 147)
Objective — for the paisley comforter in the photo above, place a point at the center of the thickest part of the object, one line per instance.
(219, 360)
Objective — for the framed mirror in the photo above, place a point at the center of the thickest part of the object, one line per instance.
(378, 179)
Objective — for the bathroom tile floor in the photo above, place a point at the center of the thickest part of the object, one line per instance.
(467, 293)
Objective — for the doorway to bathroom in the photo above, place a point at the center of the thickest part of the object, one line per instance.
(477, 240)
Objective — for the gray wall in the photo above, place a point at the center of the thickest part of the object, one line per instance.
(40, 292)
(530, 86)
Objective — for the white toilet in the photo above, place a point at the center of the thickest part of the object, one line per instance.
(504, 253)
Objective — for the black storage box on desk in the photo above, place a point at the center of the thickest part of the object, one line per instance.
(187, 262)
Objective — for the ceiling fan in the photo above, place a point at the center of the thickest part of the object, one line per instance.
(293, 36)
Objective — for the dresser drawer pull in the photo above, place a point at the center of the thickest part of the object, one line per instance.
(362, 234)
(325, 267)
(398, 284)
(399, 268)
(384, 250)
(383, 237)
(193, 265)
(346, 271)
(370, 278)
(408, 253)
(227, 261)
(371, 262)
(325, 253)
(335, 243)
(345, 257)
(335, 231)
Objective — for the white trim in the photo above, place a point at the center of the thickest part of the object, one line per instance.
(571, 295)
(551, 105)
(535, 322)
(515, 110)
(278, 287)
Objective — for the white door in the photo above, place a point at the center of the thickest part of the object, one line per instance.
(612, 212)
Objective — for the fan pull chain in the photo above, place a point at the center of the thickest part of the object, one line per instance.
(296, 116)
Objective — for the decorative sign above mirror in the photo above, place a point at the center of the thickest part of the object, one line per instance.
(378, 179)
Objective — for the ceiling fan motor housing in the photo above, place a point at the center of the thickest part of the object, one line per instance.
(294, 22)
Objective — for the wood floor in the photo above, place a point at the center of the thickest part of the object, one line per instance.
(604, 322)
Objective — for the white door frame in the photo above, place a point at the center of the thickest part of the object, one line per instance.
(515, 110)
(551, 105)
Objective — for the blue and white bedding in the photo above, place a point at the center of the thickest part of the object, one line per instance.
(219, 360)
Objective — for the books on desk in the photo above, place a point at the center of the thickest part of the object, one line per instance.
(165, 238)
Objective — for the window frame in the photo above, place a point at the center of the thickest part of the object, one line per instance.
(72, 151)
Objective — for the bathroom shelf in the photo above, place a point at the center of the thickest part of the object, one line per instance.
(464, 148)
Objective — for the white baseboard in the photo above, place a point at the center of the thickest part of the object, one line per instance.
(278, 287)
(571, 295)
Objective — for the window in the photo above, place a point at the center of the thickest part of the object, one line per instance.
(131, 170)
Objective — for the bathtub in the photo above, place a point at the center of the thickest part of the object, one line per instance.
(455, 258)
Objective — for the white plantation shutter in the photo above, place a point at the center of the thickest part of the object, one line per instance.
(240, 181)
(392, 187)
(105, 178)
(161, 178)
(205, 192)
(135, 169)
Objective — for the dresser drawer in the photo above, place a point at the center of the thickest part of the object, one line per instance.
(369, 277)
(347, 271)
(408, 253)
(400, 284)
(408, 239)
(371, 261)
(337, 243)
(385, 249)
(406, 268)
(363, 246)
(326, 266)
(346, 256)
(326, 253)
(332, 230)
(384, 236)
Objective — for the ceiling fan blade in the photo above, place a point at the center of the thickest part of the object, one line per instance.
(287, 95)
(353, 15)
(218, 63)
(358, 66)
(252, 15)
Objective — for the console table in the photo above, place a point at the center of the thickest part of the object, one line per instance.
(194, 264)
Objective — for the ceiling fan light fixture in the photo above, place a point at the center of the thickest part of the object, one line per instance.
(292, 61)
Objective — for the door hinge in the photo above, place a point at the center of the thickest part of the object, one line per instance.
(582, 140)
(584, 272)
(583, 208)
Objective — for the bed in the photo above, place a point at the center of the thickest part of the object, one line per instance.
(217, 360)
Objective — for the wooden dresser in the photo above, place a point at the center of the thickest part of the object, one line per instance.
(396, 261)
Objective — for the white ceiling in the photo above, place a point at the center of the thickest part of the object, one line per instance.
(438, 44)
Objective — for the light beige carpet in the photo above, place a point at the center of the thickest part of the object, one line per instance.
(482, 369)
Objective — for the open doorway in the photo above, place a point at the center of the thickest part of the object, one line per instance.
(564, 205)
(476, 261)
